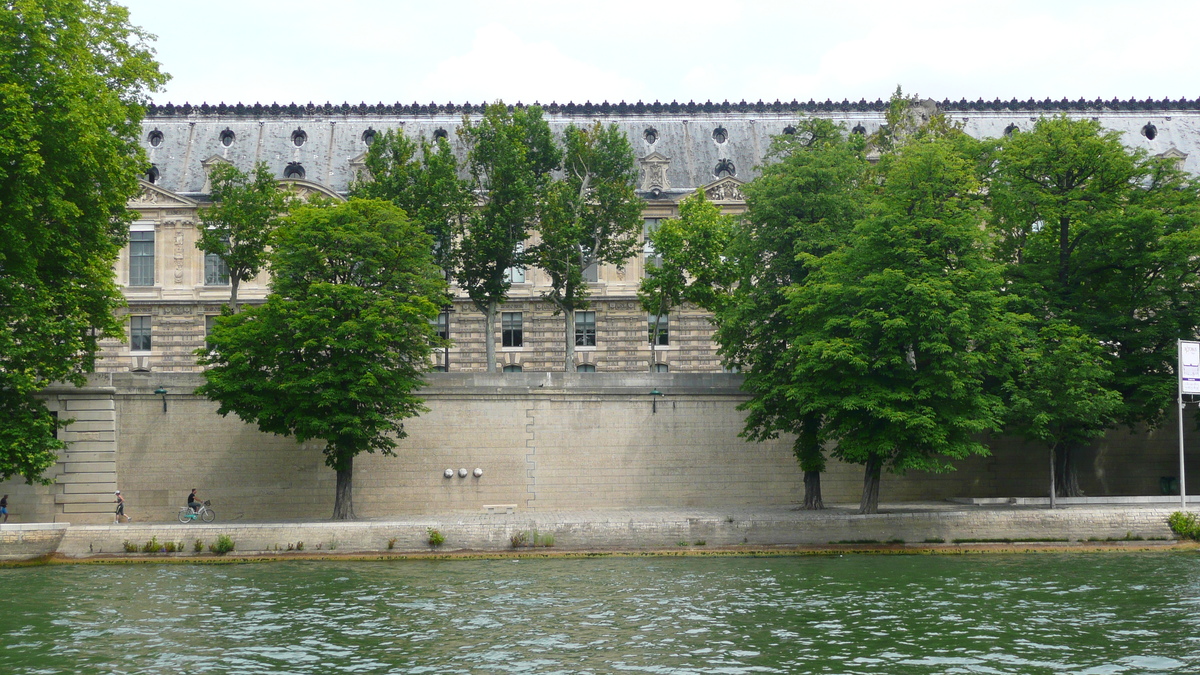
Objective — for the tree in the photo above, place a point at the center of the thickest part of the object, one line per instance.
(901, 329)
(691, 264)
(1059, 395)
(236, 228)
(802, 208)
(341, 343)
(510, 157)
(590, 217)
(74, 77)
(1105, 239)
(423, 179)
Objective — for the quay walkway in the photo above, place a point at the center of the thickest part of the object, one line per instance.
(496, 529)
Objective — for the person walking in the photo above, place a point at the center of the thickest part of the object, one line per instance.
(4, 508)
(121, 508)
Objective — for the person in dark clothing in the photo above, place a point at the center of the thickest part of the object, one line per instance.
(193, 501)
(4, 508)
(121, 508)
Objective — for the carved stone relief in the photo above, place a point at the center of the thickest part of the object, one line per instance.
(654, 173)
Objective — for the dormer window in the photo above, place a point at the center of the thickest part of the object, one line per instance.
(155, 138)
(368, 136)
(299, 137)
(227, 137)
(294, 171)
(152, 174)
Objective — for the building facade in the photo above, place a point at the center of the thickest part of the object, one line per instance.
(174, 290)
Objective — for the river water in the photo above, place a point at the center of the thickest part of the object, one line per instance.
(1037, 613)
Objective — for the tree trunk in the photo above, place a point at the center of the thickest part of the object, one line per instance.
(870, 493)
(489, 334)
(343, 502)
(569, 331)
(812, 491)
(233, 289)
(1067, 474)
(1053, 490)
(812, 460)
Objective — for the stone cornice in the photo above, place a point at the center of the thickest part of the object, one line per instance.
(607, 109)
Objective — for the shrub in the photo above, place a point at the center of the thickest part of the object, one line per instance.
(436, 538)
(198, 546)
(130, 547)
(151, 546)
(519, 539)
(1185, 525)
(299, 546)
(391, 543)
(222, 546)
(170, 546)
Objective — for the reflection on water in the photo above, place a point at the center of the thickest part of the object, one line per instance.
(1048, 613)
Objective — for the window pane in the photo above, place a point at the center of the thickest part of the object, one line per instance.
(141, 258)
(585, 329)
(585, 368)
(511, 329)
(516, 273)
(442, 325)
(139, 333)
(216, 272)
(661, 322)
(512, 369)
(661, 368)
(591, 273)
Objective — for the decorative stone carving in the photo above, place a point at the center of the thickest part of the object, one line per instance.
(152, 195)
(307, 188)
(728, 189)
(359, 173)
(654, 173)
(178, 256)
(208, 165)
(1175, 154)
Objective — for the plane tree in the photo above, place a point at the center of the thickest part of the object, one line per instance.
(510, 157)
(340, 346)
(246, 209)
(589, 217)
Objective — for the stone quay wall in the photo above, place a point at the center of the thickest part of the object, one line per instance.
(543, 442)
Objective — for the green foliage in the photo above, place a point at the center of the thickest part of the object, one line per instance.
(237, 227)
(340, 346)
(172, 547)
(422, 179)
(74, 75)
(899, 331)
(519, 539)
(531, 539)
(693, 267)
(198, 546)
(1186, 525)
(223, 545)
(151, 546)
(299, 546)
(130, 547)
(391, 543)
(435, 537)
(510, 157)
(803, 207)
(591, 216)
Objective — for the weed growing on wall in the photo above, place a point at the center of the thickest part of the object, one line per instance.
(436, 538)
(198, 547)
(130, 547)
(151, 546)
(1185, 525)
(222, 546)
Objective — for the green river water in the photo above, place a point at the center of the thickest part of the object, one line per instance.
(1038, 613)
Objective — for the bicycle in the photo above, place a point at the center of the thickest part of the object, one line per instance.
(187, 515)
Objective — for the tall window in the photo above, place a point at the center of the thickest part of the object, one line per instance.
(141, 258)
(653, 259)
(139, 333)
(442, 325)
(585, 329)
(216, 272)
(516, 273)
(661, 322)
(511, 333)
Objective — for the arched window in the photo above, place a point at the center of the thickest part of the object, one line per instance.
(155, 138)
(299, 137)
(227, 137)
(660, 368)
(512, 369)
(294, 170)
(368, 136)
(585, 368)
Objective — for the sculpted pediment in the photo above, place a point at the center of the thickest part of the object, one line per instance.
(208, 164)
(304, 189)
(152, 195)
(359, 173)
(654, 173)
(727, 189)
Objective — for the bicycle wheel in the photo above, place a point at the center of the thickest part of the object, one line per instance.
(183, 516)
(208, 515)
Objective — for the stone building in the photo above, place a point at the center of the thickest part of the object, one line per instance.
(173, 290)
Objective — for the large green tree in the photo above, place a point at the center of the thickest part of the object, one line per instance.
(590, 217)
(422, 177)
(901, 329)
(510, 157)
(74, 77)
(1100, 237)
(801, 208)
(339, 348)
(246, 209)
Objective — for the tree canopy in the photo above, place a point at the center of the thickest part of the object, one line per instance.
(510, 158)
(74, 77)
(340, 345)
(236, 228)
(590, 217)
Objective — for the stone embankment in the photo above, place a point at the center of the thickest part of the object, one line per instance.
(611, 531)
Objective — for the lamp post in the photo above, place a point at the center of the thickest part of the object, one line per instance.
(163, 392)
(654, 393)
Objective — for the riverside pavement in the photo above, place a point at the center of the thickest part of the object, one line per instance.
(618, 530)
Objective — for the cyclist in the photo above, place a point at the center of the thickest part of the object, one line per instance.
(193, 502)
